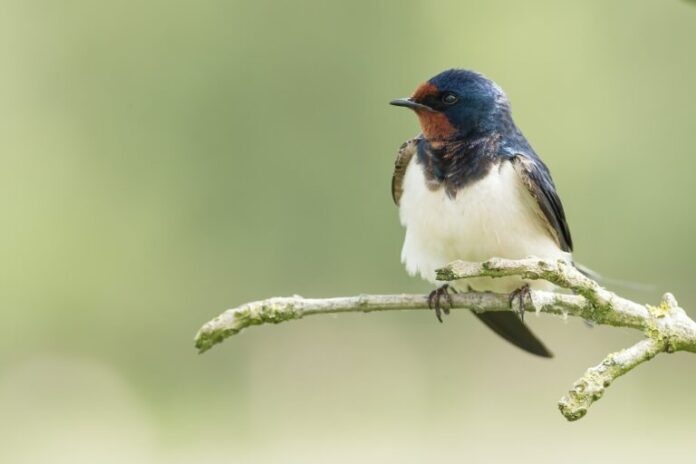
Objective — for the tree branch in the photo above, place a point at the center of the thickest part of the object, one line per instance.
(667, 327)
(590, 387)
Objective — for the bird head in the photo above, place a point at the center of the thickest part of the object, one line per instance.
(456, 103)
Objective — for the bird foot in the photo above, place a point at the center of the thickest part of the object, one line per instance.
(435, 300)
(517, 299)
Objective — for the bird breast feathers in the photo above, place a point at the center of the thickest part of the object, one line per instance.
(494, 216)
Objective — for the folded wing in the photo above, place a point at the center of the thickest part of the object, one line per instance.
(536, 177)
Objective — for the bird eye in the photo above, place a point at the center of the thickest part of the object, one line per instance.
(449, 98)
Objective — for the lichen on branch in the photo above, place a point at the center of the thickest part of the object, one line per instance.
(667, 327)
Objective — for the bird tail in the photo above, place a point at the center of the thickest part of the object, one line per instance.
(626, 284)
(509, 326)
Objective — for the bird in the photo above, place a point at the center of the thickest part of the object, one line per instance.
(470, 187)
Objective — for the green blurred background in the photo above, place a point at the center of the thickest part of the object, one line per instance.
(162, 161)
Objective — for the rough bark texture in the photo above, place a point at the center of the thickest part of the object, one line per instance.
(667, 327)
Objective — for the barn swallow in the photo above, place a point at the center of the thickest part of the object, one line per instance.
(475, 189)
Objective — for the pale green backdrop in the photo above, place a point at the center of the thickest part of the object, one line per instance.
(162, 161)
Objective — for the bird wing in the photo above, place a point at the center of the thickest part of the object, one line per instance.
(406, 152)
(537, 178)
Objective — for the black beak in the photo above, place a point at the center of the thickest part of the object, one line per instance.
(410, 103)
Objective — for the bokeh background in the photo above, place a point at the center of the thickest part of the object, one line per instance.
(162, 161)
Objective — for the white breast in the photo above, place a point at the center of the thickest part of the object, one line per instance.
(492, 217)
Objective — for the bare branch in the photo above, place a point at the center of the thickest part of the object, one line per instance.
(281, 309)
(590, 387)
(667, 327)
